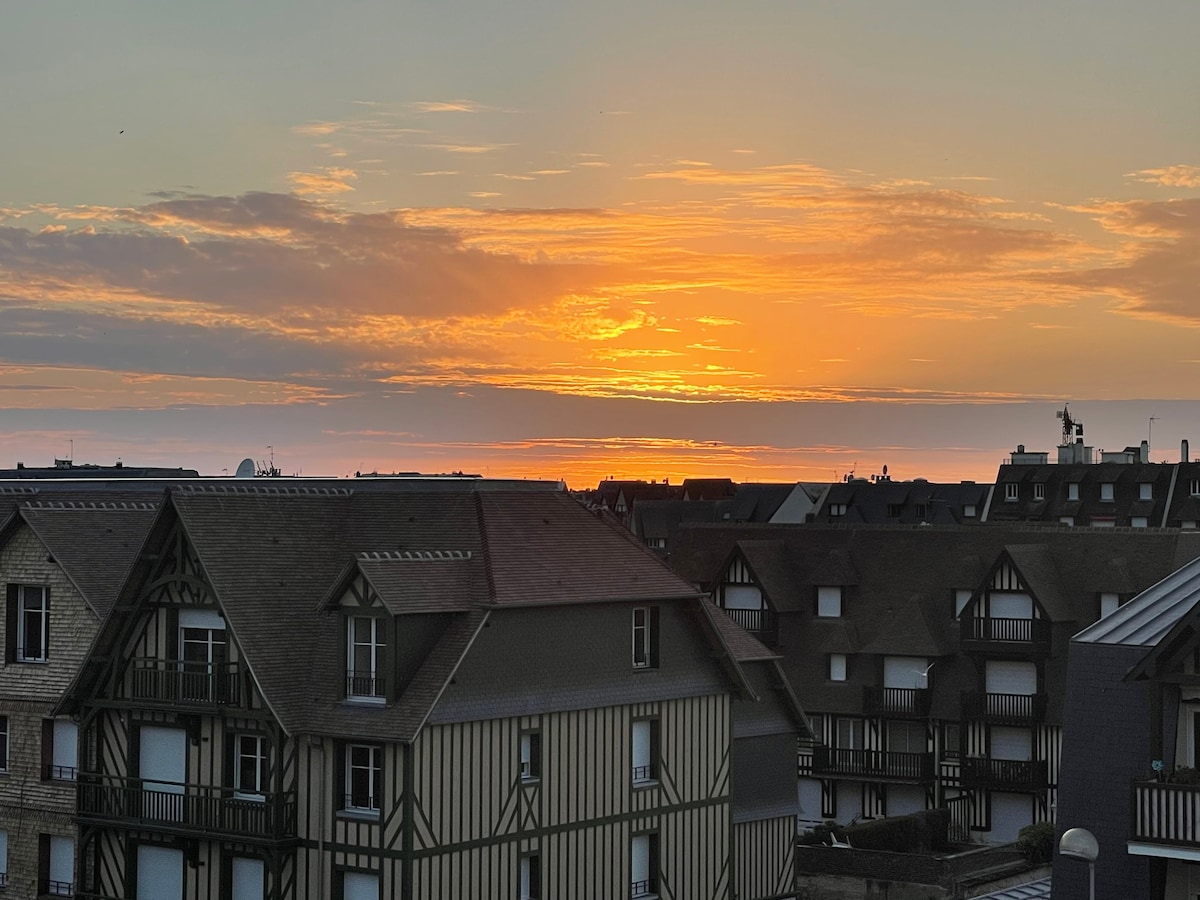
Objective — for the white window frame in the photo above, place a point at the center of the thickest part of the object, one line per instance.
(642, 636)
(1012, 492)
(257, 753)
(830, 599)
(642, 855)
(61, 846)
(530, 877)
(1145, 490)
(376, 647)
(1106, 491)
(1039, 490)
(849, 734)
(839, 666)
(373, 767)
(1072, 490)
(1194, 487)
(39, 608)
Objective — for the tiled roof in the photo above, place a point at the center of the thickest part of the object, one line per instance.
(93, 537)
(1032, 890)
(429, 581)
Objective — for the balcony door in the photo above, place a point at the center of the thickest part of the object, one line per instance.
(203, 654)
(162, 767)
(1010, 605)
(159, 873)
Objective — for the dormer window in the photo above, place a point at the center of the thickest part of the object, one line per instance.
(1106, 491)
(28, 633)
(1012, 492)
(202, 655)
(365, 648)
(1073, 490)
(837, 510)
(1146, 490)
(969, 511)
(829, 601)
(1039, 491)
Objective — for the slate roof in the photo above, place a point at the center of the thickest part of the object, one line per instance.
(92, 536)
(1146, 619)
(899, 584)
(903, 502)
(272, 554)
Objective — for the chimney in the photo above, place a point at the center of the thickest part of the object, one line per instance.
(21, 465)
(1020, 448)
(1183, 451)
(1144, 456)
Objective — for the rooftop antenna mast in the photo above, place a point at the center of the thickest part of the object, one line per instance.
(1070, 427)
(1150, 432)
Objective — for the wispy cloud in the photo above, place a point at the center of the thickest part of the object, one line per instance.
(328, 181)
(1169, 176)
(441, 106)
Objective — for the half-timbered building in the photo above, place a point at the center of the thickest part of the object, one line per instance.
(438, 691)
(932, 660)
(62, 558)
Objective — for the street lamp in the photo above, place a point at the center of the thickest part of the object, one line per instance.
(1079, 843)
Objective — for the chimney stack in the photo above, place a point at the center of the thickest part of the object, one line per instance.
(1145, 454)
(1183, 451)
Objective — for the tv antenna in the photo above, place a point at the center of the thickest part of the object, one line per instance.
(1070, 427)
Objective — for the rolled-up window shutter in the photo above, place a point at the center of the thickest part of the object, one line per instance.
(654, 620)
(47, 747)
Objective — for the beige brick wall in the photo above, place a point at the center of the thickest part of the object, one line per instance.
(29, 806)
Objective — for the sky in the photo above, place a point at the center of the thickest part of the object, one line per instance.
(774, 241)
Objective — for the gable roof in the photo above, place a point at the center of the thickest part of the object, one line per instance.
(92, 537)
(274, 558)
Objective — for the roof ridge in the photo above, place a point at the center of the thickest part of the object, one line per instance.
(270, 490)
(415, 555)
(89, 504)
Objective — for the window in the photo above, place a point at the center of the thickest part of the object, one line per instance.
(962, 596)
(1106, 491)
(644, 751)
(969, 511)
(250, 767)
(531, 878)
(837, 666)
(1073, 490)
(1012, 492)
(1194, 489)
(829, 601)
(950, 740)
(643, 865)
(60, 748)
(364, 657)
(531, 755)
(837, 510)
(56, 865)
(1139, 522)
(906, 737)
(1069, 521)
(645, 637)
(28, 633)
(849, 734)
(3, 743)
(1109, 603)
(1188, 523)
(360, 886)
(248, 878)
(364, 777)
(894, 510)
(1145, 490)
(922, 510)
(202, 654)
(1039, 490)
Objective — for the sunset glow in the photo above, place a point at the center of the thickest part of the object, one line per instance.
(584, 241)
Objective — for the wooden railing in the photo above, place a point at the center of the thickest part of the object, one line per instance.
(1017, 709)
(1005, 774)
(876, 763)
(176, 681)
(992, 630)
(762, 623)
(887, 701)
(1164, 813)
(187, 808)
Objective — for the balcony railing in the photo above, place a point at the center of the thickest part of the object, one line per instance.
(365, 685)
(887, 701)
(1166, 814)
(1017, 633)
(186, 808)
(1004, 774)
(59, 773)
(1004, 709)
(762, 623)
(873, 763)
(58, 888)
(176, 681)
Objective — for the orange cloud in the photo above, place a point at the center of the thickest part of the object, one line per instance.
(328, 181)
(1169, 176)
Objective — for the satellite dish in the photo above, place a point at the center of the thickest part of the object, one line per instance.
(245, 469)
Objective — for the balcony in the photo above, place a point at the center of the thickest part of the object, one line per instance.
(838, 762)
(762, 623)
(1004, 774)
(186, 809)
(187, 683)
(991, 634)
(896, 702)
(1167, 814)
(1004, 709)
(365, 686)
